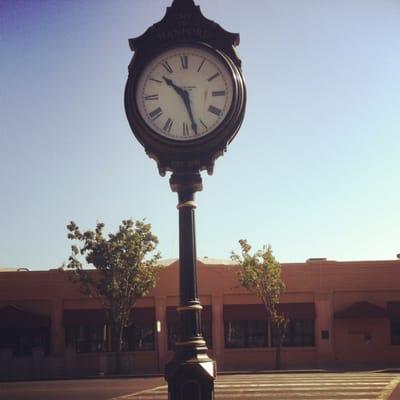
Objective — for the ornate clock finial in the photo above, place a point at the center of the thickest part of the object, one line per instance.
(176, 3)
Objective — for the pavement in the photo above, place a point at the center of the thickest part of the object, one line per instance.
(294, 386)
(271, 385)
(72, 389)
(395, 395)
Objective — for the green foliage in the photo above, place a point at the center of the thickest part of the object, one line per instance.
(261, 273)
(125, 263)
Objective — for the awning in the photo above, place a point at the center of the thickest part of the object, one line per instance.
(173, 314)
(257, 312)
(361, 309)
(87, 317)
(142, 315)
(13, 317)
(243, 312)
(393, 309)
(297, 310)
(97, 317)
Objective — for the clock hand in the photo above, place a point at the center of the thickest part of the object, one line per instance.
(186, 100)
(185, 97)
(177, 89)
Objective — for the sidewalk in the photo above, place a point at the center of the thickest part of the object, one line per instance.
(395, 394)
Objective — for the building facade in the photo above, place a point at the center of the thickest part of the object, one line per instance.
(341, 313)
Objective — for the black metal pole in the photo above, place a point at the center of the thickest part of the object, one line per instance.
(191, 372)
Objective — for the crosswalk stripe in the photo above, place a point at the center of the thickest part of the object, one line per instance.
(274, 384)
(389, 389)
(349, 386)
(307, 380)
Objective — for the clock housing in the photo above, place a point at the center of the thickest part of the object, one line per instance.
(185, 92)
(185, 118)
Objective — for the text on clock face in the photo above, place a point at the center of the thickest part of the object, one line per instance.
(184, 93)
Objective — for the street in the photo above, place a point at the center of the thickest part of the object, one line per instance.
(289, 386)
(283, 386)
(79, 389)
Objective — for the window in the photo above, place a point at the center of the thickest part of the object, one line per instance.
(138, 338)
(325, 335)
(173, 334)
(23, 340)
(395, 333)
(207, 332)
(245, 334)
(86, 339)
(299, 332)
(173, 330)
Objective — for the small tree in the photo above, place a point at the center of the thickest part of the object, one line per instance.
(261, 274)
(125, 265)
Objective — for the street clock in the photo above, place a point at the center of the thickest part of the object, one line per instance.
(185, 95)
(185, 100)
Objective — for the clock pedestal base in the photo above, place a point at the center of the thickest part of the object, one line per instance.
(191, 373)
(192, 378)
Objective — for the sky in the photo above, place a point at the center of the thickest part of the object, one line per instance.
(314, 171)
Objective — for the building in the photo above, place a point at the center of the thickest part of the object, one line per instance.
(341, 313)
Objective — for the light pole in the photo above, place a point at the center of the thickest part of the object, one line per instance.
(191, 373)
(185, 100)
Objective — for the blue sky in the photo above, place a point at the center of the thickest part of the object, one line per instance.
(314, 170)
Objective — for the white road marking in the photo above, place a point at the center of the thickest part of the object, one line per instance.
(323, 386)
(389, 389)
(146, 391)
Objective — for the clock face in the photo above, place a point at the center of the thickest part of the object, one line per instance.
(184, 93)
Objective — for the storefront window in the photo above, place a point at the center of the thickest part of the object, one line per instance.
(395, 333)
(245, 334)
(138, 338)
(22, 340)
(86, 339)
(207, 333)
(173, 334)
(299, 333)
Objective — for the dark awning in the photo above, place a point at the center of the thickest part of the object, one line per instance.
(173, 314)
(142, 315)
(252, 312)
(361, 309)
(206, 314)
(243, 312)
(97, 317)
(13, 317)
(297, 310)
(93, 317)
(393, 309)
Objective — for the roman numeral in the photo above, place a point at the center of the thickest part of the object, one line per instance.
(185, 129)
(167, 67)
(219, 93)
(151, 97)
(205, 126)
(155, 80)
(168, 125)
(213, 77)
(155, 113)
(215, 110)
(198, 69)
(184, 62)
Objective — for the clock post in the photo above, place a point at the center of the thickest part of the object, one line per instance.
(185, 100)
(191, 372)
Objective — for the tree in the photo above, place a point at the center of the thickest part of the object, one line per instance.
(126, 268)
(261, 273)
